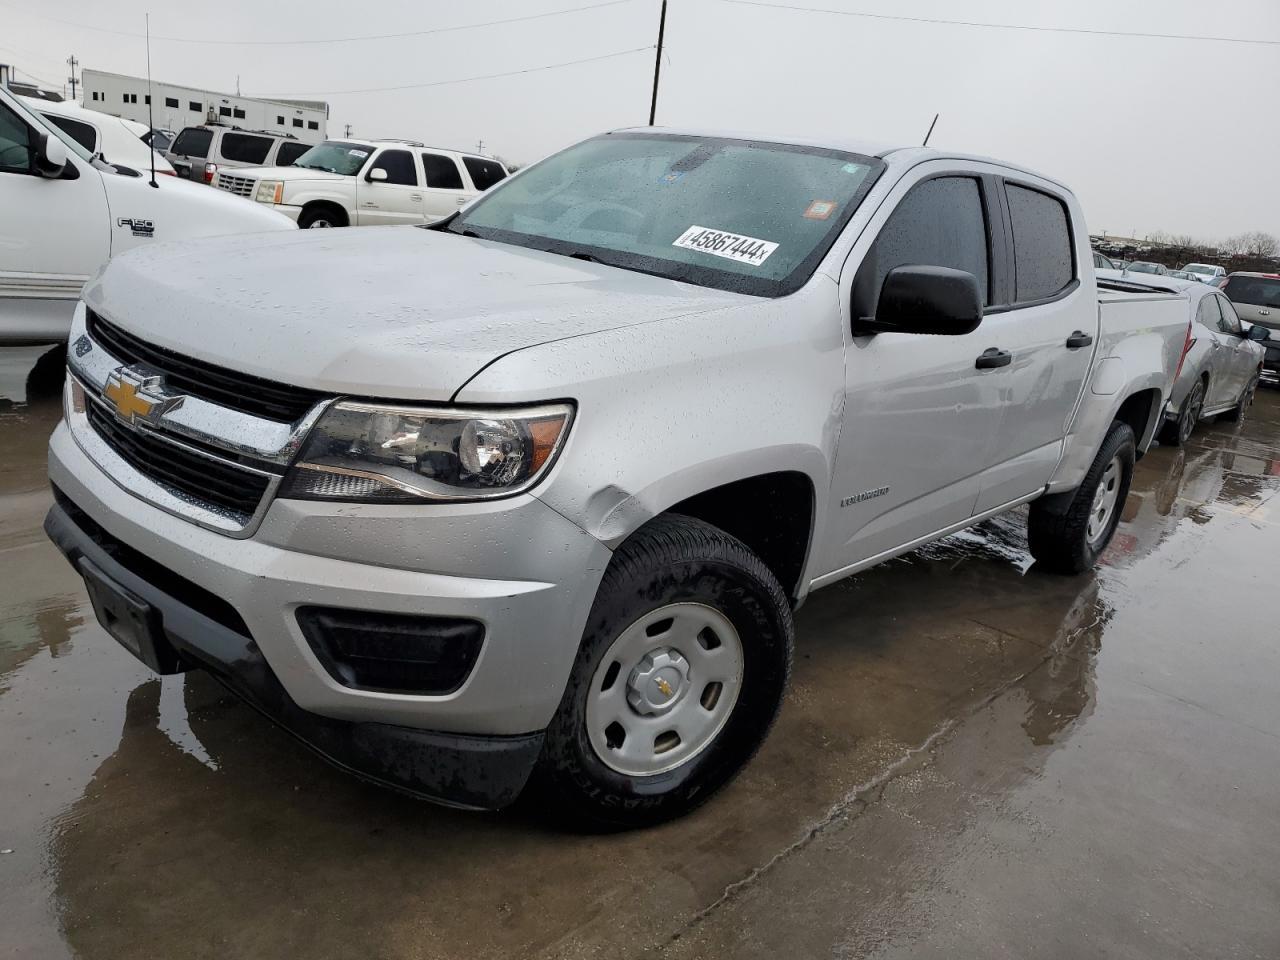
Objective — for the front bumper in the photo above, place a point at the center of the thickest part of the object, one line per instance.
(464, 560)
(289, 210)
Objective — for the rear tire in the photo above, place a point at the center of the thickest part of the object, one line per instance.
(322, 215)
(673, 571)
(1178, 432)
(1068, 531)
(1237, 413)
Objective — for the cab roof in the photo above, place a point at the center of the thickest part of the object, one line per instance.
(901, 156)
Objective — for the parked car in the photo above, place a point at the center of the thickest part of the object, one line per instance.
(1256, 297)
(1102, 263)
(540, 486)
(1146, 266)
(65, 212)
(368, 183)
(1220, 366)
(199, 152)
(120, 142)
(1218, 282)
(1183, 275)
(1204, 271)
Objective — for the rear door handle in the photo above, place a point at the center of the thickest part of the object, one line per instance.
(1079, 339)
(993, 357)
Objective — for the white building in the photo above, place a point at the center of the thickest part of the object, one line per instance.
(176, 107)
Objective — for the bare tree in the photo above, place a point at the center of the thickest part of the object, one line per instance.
(1259, 244)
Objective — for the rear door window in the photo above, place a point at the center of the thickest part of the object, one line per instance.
(940, 223)
(290, 150)
(1042, 259)
(442, 172)
(79, 131)
(245, 148)
(484, 173)
(399, 167)
(193, 142)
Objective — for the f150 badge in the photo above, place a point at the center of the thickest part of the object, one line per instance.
(140, 228)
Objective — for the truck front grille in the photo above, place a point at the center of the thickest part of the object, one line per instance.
(240, 186)
(229, 388)
(182, 470)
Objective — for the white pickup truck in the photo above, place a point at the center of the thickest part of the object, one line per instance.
(529, 497)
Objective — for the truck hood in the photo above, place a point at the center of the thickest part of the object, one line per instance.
(397, 312)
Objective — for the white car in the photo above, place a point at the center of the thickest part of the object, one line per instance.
(118, 141)
(539, 486)
(341, 183)
(1204, 272)
(64, 213)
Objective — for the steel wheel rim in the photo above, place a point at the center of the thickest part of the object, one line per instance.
(1105, 497)
(664, 689)
(319, 225)
(1194, 406)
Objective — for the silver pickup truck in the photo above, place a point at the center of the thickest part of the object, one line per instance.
(527, 498)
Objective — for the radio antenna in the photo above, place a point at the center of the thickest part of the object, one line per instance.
(930, 133)
(151, 123)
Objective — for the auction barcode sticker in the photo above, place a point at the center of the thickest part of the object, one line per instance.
(731, 246)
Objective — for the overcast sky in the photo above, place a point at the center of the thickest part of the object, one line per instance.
(1153, 134)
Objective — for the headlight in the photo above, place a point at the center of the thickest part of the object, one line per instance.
(386, 454)
(269, 191)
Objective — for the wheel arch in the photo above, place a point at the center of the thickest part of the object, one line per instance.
(1141, 411)
(774, 512)
(322, 203)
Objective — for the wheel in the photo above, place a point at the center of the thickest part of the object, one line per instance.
(319, 217)
(679, 676)
(1179, 432)
(1236, 413)
(47, 374)
(1067, 531)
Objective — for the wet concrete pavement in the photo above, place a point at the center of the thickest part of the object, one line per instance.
(975, 760)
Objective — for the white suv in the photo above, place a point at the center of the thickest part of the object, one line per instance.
(342, 183)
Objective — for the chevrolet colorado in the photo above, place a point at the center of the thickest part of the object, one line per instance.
(528, 497)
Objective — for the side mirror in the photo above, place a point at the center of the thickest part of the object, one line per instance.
(51, 156)
(377, 174)
(1258, 333)
(930, 300)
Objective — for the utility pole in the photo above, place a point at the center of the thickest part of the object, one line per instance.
(347, 130)
(480, 147)
(657, 64)
(72, 62)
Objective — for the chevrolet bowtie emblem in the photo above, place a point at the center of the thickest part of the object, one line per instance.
(664, 687)
(137, 394)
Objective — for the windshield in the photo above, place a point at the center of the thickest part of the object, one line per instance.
(1255, 291)
(734, 214)
(335, 156)
(1141, 267)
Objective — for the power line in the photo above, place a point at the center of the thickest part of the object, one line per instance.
(1003, 26)
(325, 40)
(487, 76)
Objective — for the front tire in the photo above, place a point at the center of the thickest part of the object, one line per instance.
(678, 679)
(1237, 413)
(1067, 532)
(322, 216)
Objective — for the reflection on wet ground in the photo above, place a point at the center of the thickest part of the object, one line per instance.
(975, 760)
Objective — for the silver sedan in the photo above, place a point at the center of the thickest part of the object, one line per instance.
(1220, 366)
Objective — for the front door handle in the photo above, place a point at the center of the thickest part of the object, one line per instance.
(993, 357)
(1079, 339)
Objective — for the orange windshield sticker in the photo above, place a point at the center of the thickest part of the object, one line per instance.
(820, 210)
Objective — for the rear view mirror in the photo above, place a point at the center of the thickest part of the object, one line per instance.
(1258, 333)
(377, 174)
(926, 300)
(51, 156)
